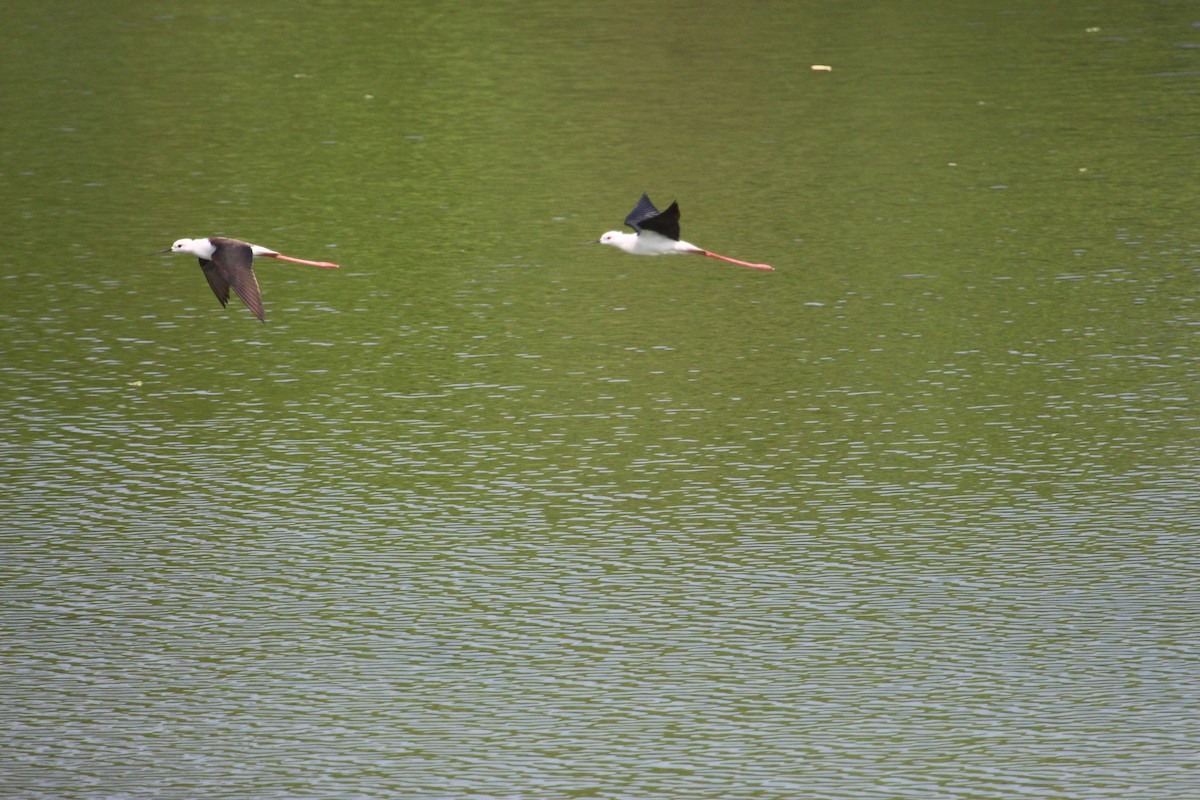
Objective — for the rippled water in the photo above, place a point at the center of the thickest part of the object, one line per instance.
(488, 515)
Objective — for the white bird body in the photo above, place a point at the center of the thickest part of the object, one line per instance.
(656, 233)
(647, 243)
(204, 248)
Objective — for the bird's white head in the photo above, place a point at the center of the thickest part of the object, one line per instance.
(625, 241)
(197, 247)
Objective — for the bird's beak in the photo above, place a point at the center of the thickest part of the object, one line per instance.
(593, 241)
(159, 252)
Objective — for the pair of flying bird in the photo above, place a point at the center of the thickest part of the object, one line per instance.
(229, 263)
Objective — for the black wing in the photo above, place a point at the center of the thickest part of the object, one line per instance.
(643, 211)
(232, 265)
(664, 222)
(219, 286)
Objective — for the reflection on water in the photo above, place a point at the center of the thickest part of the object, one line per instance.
(492, 516)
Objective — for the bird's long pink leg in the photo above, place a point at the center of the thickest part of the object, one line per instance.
(735, 261)
(325, 264)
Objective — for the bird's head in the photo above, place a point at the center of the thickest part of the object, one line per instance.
(197, 247)
(625, 241)
(180, 246)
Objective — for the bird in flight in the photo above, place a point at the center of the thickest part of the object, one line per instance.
(657, 233)
(230, 263)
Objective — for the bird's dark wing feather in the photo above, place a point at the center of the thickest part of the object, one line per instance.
(642, 211)
(234, 266)
(665, 223)
(219, 286)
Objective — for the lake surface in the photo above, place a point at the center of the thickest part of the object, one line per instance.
(485, 514)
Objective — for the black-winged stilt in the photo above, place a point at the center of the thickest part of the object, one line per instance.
(229, 262)
(657, 233)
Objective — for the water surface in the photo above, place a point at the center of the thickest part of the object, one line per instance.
(486, 514)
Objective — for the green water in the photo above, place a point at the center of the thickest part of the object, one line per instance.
(488, 514)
